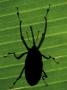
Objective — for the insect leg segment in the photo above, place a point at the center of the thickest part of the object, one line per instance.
(32, 35)
(50, 57)
(45, 29)
(22, 38)
(44, 76)
(19, 77)
(17, 57)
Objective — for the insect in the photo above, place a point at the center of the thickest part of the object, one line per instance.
(33, 64)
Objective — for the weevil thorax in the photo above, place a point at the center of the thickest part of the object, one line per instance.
(33, 66)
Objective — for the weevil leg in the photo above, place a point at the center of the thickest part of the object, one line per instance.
(44, 76)
(22, 38)
(50, 57)
(19, 77)
(45, 29)
(32, 35)
(17, 57)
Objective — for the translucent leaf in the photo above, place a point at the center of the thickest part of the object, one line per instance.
(32, 12)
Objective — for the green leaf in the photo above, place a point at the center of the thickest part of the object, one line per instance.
(32, 12)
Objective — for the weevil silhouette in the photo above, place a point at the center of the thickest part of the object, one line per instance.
(33, 64)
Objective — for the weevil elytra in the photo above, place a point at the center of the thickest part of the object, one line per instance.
(33, 64)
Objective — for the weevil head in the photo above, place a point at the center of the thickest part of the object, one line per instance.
(34, 50)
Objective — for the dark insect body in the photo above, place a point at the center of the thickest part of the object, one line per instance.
(33, 64)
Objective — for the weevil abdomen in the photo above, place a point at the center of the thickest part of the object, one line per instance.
(33, 66)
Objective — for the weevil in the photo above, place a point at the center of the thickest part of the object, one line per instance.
(33, 63)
